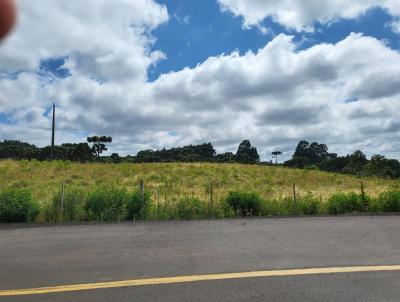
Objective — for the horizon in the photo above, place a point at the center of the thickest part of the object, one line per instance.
(164, 74)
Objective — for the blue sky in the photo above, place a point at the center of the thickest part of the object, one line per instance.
(163, 73)
(199, 29)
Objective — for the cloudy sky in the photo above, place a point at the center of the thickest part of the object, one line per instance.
(163, 73)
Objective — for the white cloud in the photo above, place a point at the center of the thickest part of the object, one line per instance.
(394, 26)
(274, 97)
(301, 15)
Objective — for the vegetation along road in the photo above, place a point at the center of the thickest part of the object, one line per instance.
(352, 259)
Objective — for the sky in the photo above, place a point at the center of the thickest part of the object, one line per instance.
(167, 73)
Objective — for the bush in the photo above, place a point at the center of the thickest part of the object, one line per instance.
(107, 204)
(245, 203)
(161, 211)
(273, 207)
(389, 201)
(73, 205)
(309, 204)
(138, 207)
(190, 208)
(17, 205)
(342, 203)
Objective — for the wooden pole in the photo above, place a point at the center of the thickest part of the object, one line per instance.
(141, 189)
(62, 202)
(363, 195)
(53, 131)
(211, 200)
(294, 195)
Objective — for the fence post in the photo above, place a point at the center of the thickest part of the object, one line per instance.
(211, 200)
(141, 189)
(62, 202)
(294, 196)
(363, 195)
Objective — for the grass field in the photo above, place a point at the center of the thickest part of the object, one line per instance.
(169, 182)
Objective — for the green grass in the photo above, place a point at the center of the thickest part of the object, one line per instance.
(187, 185)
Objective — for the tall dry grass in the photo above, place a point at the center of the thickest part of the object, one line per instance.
(174, 181)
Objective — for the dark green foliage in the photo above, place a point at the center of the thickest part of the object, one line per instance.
(17, 205)
(380, 166)
(389, 201)
(356, 164)
(227, 157)
(342, 203)
(19, 150)
(316, 155)
(246, 154)
(307, 154)
(245, 203)
(199, 153)
(335, 164)
(190, 208)
(138, 205)
(115, 158)
(297, 162)
(107, 204)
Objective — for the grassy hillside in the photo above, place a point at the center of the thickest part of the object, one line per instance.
(169, 182)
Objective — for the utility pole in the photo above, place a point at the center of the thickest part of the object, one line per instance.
(52, 131)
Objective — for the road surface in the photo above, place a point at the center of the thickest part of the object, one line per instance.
(200, 257)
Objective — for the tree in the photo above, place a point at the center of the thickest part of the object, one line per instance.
(246, 154)
(227, 157)
(275, 155)
(115, 158)
(357, 161)
(380, 166)
(99, 144)
(335, 164)
(310, 154)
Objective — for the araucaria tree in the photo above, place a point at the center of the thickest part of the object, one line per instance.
(275, 155)
(99, 144)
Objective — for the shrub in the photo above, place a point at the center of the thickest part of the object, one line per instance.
(161, 211)
(342, 203)
(309, 204)
(17, 205)
(389, 201)
(107, 204)
(273, 207)
(138, 207)
(73, 209)
(190, 208)
(245, 203)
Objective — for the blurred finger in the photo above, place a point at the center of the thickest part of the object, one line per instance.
(7, 16)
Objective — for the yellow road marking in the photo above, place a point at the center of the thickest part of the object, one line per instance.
(196, 278)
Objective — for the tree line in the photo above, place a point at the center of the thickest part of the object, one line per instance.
(306, 156)
(316, 156)
(83, 152)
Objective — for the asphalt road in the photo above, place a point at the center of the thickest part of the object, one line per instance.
(68, 255)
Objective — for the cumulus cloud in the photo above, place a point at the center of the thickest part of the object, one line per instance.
(274, 97)
(280, 94)
(301, 15)
(395, 26)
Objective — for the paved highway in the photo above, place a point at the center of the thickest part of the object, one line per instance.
(345, 253)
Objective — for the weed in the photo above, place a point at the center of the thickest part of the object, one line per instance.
(17, 205)
(245, 203)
